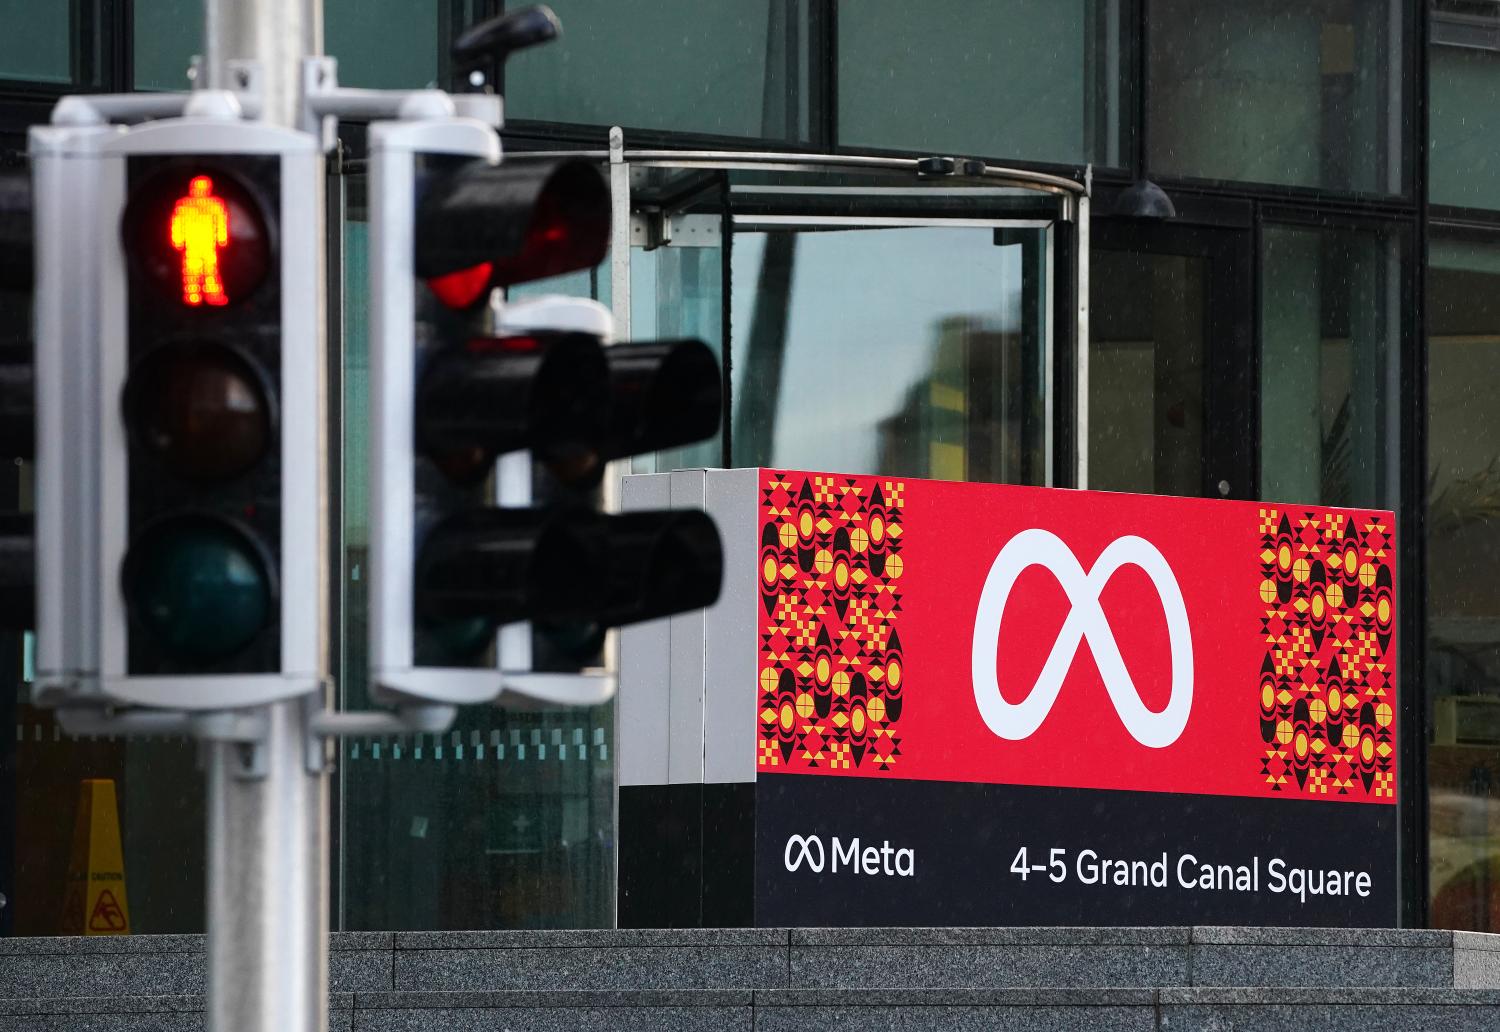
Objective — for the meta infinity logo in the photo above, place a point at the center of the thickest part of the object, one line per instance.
(1085, 619)
(883, 859)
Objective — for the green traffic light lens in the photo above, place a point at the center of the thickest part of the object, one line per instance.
(199, 586)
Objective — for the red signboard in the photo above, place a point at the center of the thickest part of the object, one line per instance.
(1009, 635)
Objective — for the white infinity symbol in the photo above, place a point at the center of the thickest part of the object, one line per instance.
(1086, 619)
(806, 842)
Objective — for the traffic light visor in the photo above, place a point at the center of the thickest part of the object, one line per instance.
(528, 220)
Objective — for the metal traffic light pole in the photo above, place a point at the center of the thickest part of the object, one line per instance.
(268, 835)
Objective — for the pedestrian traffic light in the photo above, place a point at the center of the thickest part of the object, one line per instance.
(211, 426)
(493, 569)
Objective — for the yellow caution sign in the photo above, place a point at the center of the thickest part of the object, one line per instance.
(94, 903)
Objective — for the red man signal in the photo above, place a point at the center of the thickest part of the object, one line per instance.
(200, 226)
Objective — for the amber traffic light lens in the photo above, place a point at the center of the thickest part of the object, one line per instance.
(198, 236)
(203, 410)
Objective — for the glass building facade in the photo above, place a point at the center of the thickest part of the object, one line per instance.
(1320, 322)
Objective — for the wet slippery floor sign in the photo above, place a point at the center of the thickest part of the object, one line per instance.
(95, 902)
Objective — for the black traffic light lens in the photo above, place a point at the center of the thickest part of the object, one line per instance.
(546, 392)
(569, 228)
(520, 221)
(202, 409)
(662, 562)
(199, 586)
(198, 236)
(663, 394)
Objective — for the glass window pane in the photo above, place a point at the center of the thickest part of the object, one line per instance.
(1033, 80)
(168, 33)
(37, 42)
(1330, 333)
(1300, 92)
(1148, 351)
(1463, 582)
(159, 809)
(387, 44)
(910, 352)
(1464, 104)
(727, 67)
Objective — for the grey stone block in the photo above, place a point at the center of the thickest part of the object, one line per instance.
(361, 940)
(580, 967)
(134, 1013)
(591, 938)
(1322, 965)
(1124, 936)
(1476, 969)
(933, 966)
(1487, 941)
(73, 944)
(1243, 936)
(160, 965)
(360, 971)
(1015, 1010)
(87, 972)
(559, 1019)
(1311, 1010)
(554, 1011)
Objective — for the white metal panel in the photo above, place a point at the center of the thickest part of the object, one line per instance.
(641, 712)
(731, 627)
(65, 192)
(685, 709)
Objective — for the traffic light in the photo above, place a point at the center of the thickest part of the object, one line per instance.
(211, 429)
(493, 569)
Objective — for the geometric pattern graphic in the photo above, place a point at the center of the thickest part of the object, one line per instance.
(831, 670)
(1327, 702)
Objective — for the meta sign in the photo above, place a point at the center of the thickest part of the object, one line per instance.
(931, 703)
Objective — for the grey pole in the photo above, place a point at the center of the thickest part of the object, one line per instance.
(268, 835)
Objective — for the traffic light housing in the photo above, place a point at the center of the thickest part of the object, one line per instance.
(211, 423)
(493, 571)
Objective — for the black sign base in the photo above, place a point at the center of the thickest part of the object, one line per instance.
(823, 851)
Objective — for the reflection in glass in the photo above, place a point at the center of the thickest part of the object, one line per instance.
(904, 351)
(1147, 350)
(1463, 583)
(1464, 82)
(167, 33)
(1305, 93)
(1038, 80)
(725, 67)
(37, 44)
(1330, 329)
(389, 44)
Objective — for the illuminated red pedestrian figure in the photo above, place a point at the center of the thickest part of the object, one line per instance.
(200, 226)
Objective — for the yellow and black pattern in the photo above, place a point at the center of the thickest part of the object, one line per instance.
(1327, 695)
(831, 671)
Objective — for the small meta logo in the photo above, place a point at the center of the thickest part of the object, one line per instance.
(1036, 547)
(885, 859)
